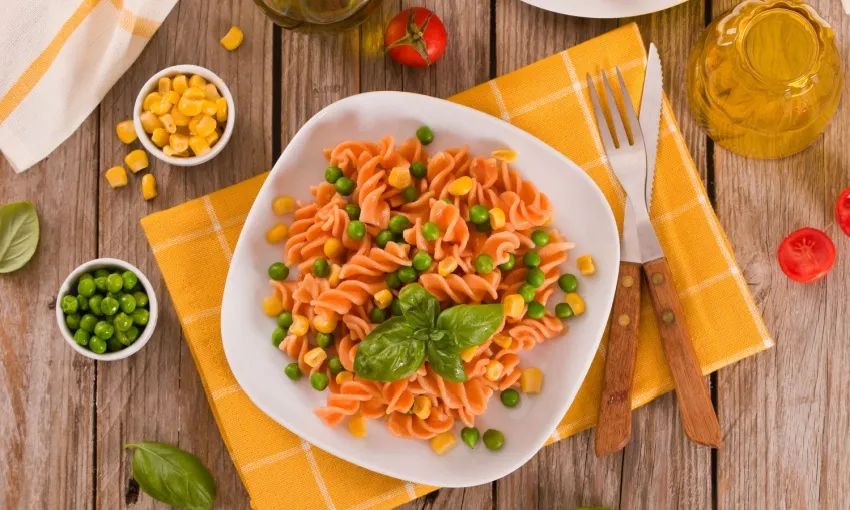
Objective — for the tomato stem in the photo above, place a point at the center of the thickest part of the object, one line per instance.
(415, 34)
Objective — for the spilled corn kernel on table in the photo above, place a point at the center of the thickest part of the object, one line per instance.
(64, 418)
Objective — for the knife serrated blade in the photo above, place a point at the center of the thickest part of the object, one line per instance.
(650, 115)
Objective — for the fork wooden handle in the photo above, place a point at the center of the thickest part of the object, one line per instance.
(698, 417)
(614, 428)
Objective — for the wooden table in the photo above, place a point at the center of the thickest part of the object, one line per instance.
(64, 418)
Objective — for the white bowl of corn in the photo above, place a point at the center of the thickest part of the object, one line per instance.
(184, 115)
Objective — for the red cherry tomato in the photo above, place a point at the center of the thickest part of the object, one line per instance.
(842, 211)
(806, 255)
(418, 40)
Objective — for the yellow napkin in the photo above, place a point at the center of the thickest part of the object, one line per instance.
(549, 100)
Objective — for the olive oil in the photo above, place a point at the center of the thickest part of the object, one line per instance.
(765, 78)
(318, 15)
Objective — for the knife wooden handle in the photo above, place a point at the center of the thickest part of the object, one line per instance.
(698, 417)
(614, 428)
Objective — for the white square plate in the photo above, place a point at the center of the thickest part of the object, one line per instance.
(582, 215)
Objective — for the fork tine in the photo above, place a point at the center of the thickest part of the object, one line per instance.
(634, 125)
(601, 123)
(615, 112)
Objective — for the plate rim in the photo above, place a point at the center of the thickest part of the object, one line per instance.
(550, 5)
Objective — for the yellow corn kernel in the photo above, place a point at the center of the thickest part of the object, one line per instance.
(494, 370)
(178, 118)
(283, 205)
(333, 278)
(504, 154)
(191, 102)
(442, 443)
(576, 303)
(497, 218)
(277, 233)
(149, 189)
(209, 107)
(314, 357)
(159, 137)
(422, 406)
(126, 131)
(461, 186)
(324, 323)
(199, 145)
(162, 106)
(180, 84)
(383, 299)
(150, 100)
(213, 137)
(513, 306)
(399, 177)
(586, 265)
(447, 266)
(502, 341)
(168, 123)
(221, 110)
(136, 160)
(300, 325)
(116, 176)
(211, 91)
(357, 424)
(333, 248)
(344, 377)
(469, 353)
(178, 142)
(531, 380)
(193, 124)
(232, 39)
(172, 97)
(205, 126)
(150, 122)
(547, 222)
(197, 81)
(168, 151)
(164, 85)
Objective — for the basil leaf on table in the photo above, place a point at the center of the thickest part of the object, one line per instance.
(173, 476)
(19, 231)
(446, 362)
(419, 307)
(392, 351)
(470, 325)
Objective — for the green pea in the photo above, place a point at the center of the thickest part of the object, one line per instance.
(494, 440)
(141, 299)
(422, 261)
(392, 280)
(324, 340)
(109, 318)
(284, 320)
(292, 371)
(344, 186)
(69, 304)
(383, 237)
(278, 271)
(536, 310)
(509, 264)
(356, 230)
(335, 365)
(97, 345)
(478, 214)
(535, 277)
(82, 336)
(87, 322)
(73, 321)
(484, 264)
(101, 273)
(531, 259)
(114, 295)
(469, 435)
(484, 228)
(332, 174)
(319, 381)
(430, 231)
(130, 280)
(86, 288)
(86, 276)
(563, 311)
(407, 275)
(321, 269)
(399, 223)
(527, 292)
(409, 194)
(418, 169)
(94, 304)
(540, 238)
(114, 344)
(568, 282)
(278, 335)
(109, 305)
(122, 322)
(83, 303)
(132, 334)
(509, 397)
(114, 283)
(122, 338)
(425, 135)
(377, 315)
(395, 307)
(140, 316)
(100, 283)
(104, 330)
(353, 211)
(127, 303)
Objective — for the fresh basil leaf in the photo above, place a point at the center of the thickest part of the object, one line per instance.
(392, 351)
(446, 362)
(173, 476)
(19, 232)
(470, 325)
(436, 335)
(419, 307)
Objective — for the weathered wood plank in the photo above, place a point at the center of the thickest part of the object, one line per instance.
(46, 389)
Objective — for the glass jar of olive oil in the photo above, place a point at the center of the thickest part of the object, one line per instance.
(765, 78)
(318, 15)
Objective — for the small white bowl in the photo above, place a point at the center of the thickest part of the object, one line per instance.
(152, 85)
(90, 267)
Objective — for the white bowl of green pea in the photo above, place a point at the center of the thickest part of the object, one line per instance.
(106, 309)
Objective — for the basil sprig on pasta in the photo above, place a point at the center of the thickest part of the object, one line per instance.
(398, 347)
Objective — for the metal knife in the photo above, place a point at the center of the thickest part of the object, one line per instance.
(650, 115)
